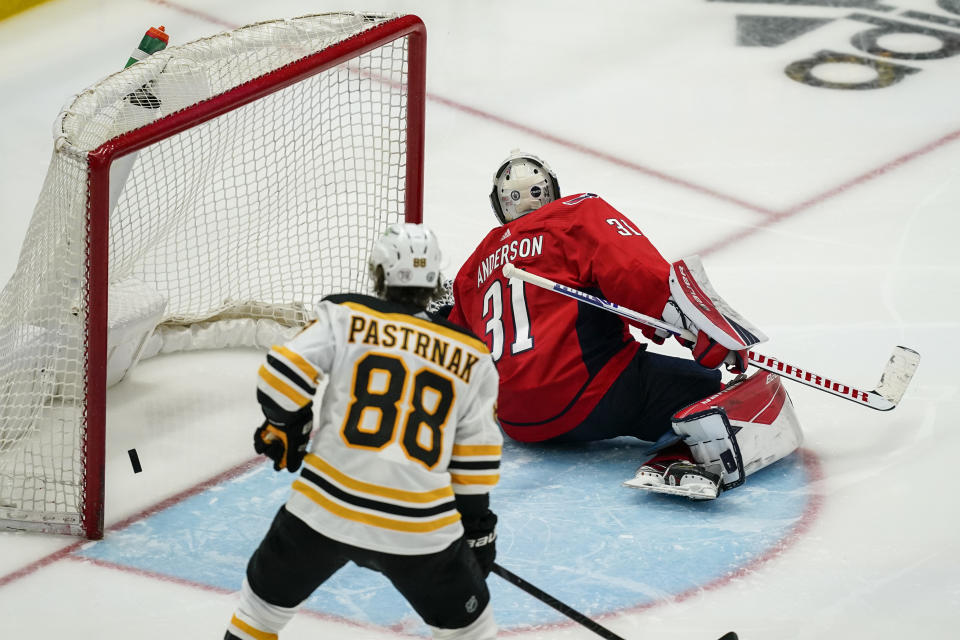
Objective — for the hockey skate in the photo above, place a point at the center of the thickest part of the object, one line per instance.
(677, 477)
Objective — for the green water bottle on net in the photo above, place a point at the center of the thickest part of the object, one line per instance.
(155, 39)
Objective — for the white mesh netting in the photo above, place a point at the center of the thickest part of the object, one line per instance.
(250, 216)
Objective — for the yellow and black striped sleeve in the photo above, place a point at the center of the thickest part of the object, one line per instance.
(474, 468)
(286, 382)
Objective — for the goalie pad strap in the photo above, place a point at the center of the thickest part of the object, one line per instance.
(713, 444)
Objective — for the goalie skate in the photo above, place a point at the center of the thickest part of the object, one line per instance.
(679, 478)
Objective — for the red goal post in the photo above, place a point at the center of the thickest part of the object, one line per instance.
(216, 189)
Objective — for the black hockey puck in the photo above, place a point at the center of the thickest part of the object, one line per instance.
(134, 460)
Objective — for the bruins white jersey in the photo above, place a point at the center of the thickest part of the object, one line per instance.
(406, 419)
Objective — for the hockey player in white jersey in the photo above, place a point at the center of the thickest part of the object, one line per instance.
(396, 477)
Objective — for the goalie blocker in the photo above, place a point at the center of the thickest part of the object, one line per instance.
(732, 434)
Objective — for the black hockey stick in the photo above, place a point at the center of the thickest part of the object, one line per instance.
(548, 599)
(567, 610)
(896, 375)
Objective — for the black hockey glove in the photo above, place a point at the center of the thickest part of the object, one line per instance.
(283, 438)
(442, 311)
(479, 527)
(482, 540)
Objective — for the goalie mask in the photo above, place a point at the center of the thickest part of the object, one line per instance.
(522, 184)
(409, 255)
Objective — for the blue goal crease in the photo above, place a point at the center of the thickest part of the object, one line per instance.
(565, 524)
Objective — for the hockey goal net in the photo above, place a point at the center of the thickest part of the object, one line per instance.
(206, 196)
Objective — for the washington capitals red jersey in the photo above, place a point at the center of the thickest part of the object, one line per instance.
(556, 356)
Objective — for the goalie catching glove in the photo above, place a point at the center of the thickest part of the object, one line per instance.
(723, 335)
(283, 438)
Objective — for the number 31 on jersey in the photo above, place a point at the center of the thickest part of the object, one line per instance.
(493, 303)
(624, 227)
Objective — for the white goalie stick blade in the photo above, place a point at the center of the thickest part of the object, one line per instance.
(897, 374)
(698, 300)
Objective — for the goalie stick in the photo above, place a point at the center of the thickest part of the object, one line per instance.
(893, 384)
(567, 610)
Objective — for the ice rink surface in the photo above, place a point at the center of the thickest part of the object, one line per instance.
(823, 199)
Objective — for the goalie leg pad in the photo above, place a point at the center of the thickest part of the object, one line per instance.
(742, 429)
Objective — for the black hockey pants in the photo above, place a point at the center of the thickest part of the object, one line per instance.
(447, 589)
(641, 402)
